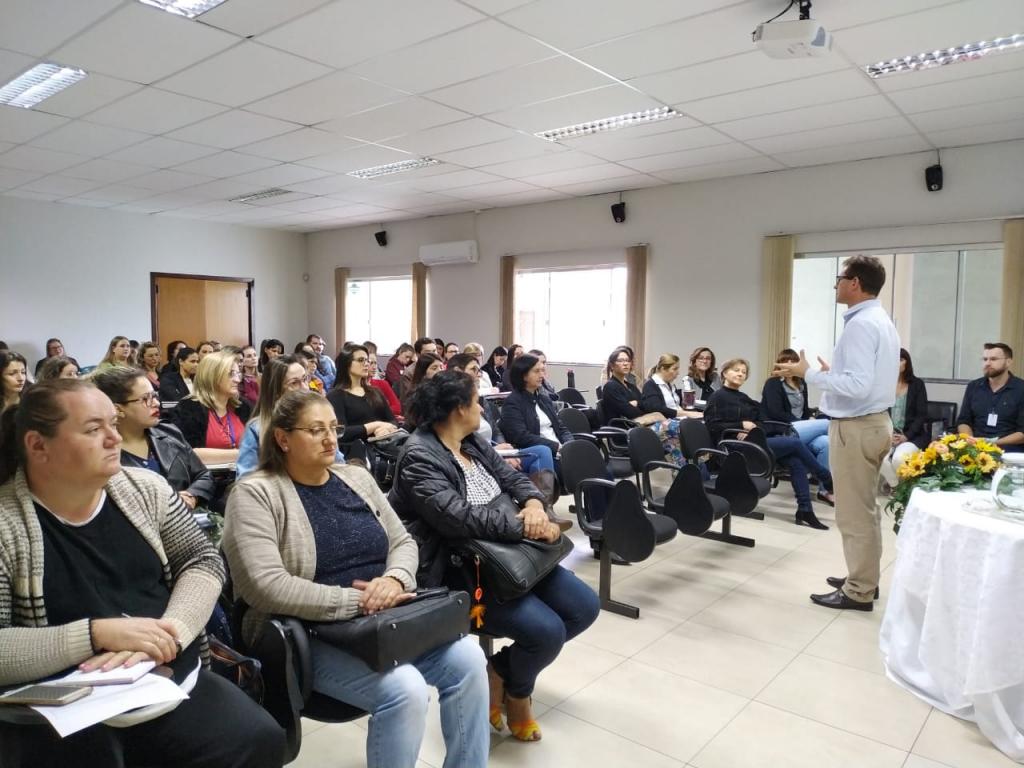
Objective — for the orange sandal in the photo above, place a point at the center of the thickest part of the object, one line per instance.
(526, 730)
(497, 691)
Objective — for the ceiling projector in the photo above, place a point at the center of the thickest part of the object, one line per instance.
(793, 39)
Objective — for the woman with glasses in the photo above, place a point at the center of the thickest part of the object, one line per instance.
(149, 443)
(213, 418)
(703, 374)
(357, 405)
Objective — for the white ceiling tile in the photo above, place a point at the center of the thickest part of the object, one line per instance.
(87, 202)
(533, 166)
(168, 181)
(26, 158)
(224, 164)
(939, 27)
(31, 195)
(577, 108)
(13, 64)
(309, 204)
(393, 200)
(445, 138)
(870, 130)
(546, 79)
(516, 148)
(325, 99)
(83, 97)
(444, 209)
(733, 73)
(978, 134)
(900, 145)
(577, 175)
(274, 202)
(834, 86)
(990, 65)
(675, 45)
(455, 180)
(331, 185)
(254, 17)
(491, 189)
(242, 74)
(19, 125)
(221, 189)
(88, 138)
(280, 175)
(10, 177)
(620, 145)
(615, 184)
(154, 111)
(572, 24)
(117, 193)
(525, 198)
(303, 143)
(471, 52)
(808, 118)
(721, 170)
(842, 15)
(702, 156)
(107, 171)
(364, 156)
(159, 152)
(232, 129)
(62, 186)
(494, 7)
(143, 44)
(350, 31)
(969, 115)
(975, 90)
(414, 114)
(37, 27)
(147, 205)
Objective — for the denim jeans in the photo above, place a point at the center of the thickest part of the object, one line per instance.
(397, 701)
(792, 453)
(538, 458)
(555, 610)
(814, 434)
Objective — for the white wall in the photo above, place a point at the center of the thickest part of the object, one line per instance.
(705, 240)
(83, 274)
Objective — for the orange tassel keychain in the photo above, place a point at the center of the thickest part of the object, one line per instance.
(476, 613)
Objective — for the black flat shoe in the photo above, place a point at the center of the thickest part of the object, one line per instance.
(823, 497)
(838, 581)
(808, 518)
(841, 602)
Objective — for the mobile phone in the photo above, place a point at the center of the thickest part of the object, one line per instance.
(46, 695)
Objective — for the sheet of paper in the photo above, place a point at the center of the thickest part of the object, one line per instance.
(107, 701)
(111, 677)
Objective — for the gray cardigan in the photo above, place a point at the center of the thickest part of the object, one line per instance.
(271, 551)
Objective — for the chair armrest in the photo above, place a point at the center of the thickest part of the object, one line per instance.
(702, 455)
(610, 432)
(759, 461)
(620, 422)
(779, 428)
(645, 478)
(586, 524)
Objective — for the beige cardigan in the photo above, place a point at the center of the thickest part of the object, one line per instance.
(272, 554)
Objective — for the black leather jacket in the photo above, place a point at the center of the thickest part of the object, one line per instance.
(183, 470)
(429, 496)
(521, 426)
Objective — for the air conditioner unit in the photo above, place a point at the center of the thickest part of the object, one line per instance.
(459, 252)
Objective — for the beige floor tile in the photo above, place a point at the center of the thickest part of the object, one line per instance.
(820, 564)
(576, 667)
(782, 624)
(572, 743)
(626, 636)
(784, 585)
(667, 713)
(860, 702)
(854, 643)
(916, 761)
(721, 659)
(657, 592)
(340, 745)
(765, 737)
(958, 743)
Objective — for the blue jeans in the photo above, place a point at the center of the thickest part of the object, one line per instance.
(814, 434)
(792, 453)
(557, 609)
(538, 457)
(397, 701)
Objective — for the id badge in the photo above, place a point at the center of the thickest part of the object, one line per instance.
(992, 419)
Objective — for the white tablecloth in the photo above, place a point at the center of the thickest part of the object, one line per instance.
(953, 632)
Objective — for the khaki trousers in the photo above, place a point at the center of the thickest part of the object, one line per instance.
(857, 448)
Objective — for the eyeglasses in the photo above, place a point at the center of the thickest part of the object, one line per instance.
(840, 278)
(296, 382)
(319, 432)
(147, 399)
(704, 359)
(235, 374)
(360, 359)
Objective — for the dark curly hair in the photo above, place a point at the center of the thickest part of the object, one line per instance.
(436, 399)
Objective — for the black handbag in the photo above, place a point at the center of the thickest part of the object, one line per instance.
(401, 634)
(510, 569)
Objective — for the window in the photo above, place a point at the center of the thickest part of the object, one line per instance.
(945, 304)
(379, 310)
(574, 315)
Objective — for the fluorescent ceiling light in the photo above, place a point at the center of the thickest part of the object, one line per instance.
(263, 194)
(940, 57)
(609, 124)
(40, 82)
(399, 167)
(187, 8)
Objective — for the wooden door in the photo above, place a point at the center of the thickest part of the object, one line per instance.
(196, 308)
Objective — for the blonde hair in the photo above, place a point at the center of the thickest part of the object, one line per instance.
(473, 348)
(212, 368)
(109, 357)
(665, 362)
(728, 365)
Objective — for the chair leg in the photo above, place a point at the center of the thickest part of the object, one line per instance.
(753, 515)
(604, 590)
(725, 535)
(486, 644)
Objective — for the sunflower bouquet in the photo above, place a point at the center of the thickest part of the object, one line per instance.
(947, 464)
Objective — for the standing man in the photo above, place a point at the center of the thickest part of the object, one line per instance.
(993, 405)
(859, 388)
(324, 364)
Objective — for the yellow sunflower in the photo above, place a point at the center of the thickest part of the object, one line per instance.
(986, 463)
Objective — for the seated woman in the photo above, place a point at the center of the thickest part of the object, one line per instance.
(426, 366)
(13, 377)
(495, 366)
(528, 415)
(213, 417)
(375, 380)
(447, 486)
(172, 355)
(545, 385)
(178, 382)
(116, 541)
(786, 400)
(451, 349)
(487, 386)
(910, 429)
(622, 400)
(205, 348)
(149, 362)
(514, 351)
(397, 364)
(269, 349)
(729, 408)
(703, 374)
(119, 352)
(608, 371)
(148, 443)
(307, 355)
(659, 392)
(250, 387)
(360, 407)
(319, 541)
(59, 367)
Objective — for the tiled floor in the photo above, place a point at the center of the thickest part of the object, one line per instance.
(728, 666)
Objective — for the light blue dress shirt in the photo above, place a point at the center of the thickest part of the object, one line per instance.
(864, 367)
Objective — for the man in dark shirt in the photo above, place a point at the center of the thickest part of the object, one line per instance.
(993, 405)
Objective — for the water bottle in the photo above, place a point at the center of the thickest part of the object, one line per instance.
(689, 398)
(571, 379)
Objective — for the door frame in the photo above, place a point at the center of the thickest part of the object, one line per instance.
(154, 276)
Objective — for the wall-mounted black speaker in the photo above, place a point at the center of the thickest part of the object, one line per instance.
(619, 212)
(933, 177)
(381, 238)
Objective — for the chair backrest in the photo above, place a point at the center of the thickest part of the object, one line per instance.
(946, 411)
(602, 417)
(628, 530)
(687, 502)
(733, 483)
(571, 396)
(644, 447)
(574, 421)
(581, 460)
(693, 436)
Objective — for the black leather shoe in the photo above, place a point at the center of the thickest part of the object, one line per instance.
(823, 497)
(840, 601)
(808, 518)
(838, 581)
